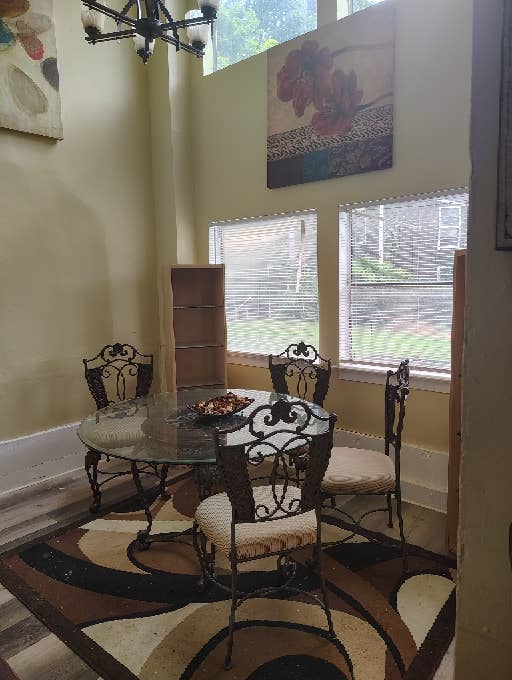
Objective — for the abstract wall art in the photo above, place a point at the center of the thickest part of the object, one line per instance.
(330, 100)
(29, 76)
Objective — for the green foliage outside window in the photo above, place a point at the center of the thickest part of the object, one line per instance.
(247, 27)
(358, 5)
(370, 269)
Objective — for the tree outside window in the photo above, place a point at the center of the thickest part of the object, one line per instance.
(358, 5)
(248, 27)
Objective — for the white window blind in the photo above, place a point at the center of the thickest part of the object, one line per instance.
(271, 280)
(396, 279)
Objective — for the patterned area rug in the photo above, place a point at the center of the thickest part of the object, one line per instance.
(132, 614)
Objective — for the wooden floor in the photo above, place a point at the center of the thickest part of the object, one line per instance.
(36, 654)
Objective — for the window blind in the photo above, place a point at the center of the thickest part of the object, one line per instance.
(271, 280)
(396, 279)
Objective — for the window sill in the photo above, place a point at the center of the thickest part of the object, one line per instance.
(428, 381)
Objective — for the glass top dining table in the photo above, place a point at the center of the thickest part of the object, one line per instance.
(161, 429)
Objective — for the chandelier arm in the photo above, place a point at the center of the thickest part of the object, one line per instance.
(106, 37)
(152, 10)
(111, 13)
(166, 14)
(189, 22)
(126, 9)
(183, 46)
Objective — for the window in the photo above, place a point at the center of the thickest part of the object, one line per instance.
(271, 281)
(396, 277)
(346, 7)
(358, 5)
(247, 27)
(450, 223)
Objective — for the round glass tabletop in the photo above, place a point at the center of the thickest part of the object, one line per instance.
(160, 428)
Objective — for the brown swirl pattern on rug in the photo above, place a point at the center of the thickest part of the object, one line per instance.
(133, 614)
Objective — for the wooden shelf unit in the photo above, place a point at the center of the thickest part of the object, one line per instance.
(195, 326)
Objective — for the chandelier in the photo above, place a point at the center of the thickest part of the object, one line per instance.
(146, 20)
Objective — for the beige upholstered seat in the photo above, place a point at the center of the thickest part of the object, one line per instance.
(259, 538)
(110, 433)
(358, 471)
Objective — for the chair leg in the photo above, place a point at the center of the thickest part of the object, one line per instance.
(398, 494)
(325, 598)
(212, 560)
(198, 541)
(390, 511)
(92, 458)
(234, 593)
(315, 558)
(163, 478)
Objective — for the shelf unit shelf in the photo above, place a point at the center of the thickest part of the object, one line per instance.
(207, 383)
(195, 326)
(198, 306)
(202, 345)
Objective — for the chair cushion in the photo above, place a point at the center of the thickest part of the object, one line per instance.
(259, 538)
(112, 433)
(358, 471)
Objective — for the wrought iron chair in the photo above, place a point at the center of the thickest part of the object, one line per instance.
(302, 363)
(355, 472)
(115, 373)
(266, 516)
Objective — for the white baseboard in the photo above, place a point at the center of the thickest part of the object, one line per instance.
(42, 455)
(27, 460)
(424, 473)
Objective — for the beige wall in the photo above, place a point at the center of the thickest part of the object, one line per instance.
(433, 63)
(79, 264)
(169, 76)
(359, 407)
(484, 620)
(76, 234)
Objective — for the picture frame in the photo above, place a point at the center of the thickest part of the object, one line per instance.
(504, 198)
(30, 100)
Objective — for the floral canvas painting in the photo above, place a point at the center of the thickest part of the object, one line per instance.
(29, 76)
(330, 100)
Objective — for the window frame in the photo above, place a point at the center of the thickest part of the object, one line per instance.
(211, 54)
(350, 7)
(431, 380)
(257, 359)
(443, 226)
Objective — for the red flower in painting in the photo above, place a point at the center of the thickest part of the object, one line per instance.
(341, 105)
(304, 79)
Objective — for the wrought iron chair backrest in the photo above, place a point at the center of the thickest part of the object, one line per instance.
(396, 393)
(109, 373)
(303, 363)
(276, 435)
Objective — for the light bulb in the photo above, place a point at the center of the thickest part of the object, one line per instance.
(140, 46)
(92, 21)
(197, 34)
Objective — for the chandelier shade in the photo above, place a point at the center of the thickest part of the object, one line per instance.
(93, 21)
(145, 21)
(197, 33)
(209, 8)
(143, 45)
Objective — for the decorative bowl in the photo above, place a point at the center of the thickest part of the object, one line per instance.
(220, 407)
